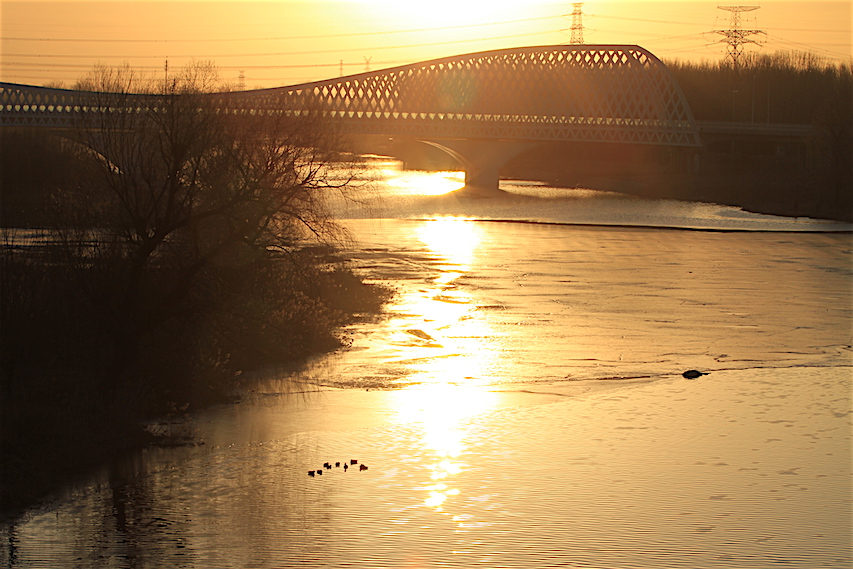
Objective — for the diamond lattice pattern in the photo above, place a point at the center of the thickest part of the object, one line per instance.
(571, 92)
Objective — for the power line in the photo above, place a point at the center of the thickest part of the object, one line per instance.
(657, 21)
(785, 43)
(283, 38)
(284, 53)
(34, 66)
(813, 30)
(85, 66)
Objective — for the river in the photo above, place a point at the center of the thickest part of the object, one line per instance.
(521, 403)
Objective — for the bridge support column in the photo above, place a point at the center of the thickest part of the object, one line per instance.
(483, 176)
(483, 159)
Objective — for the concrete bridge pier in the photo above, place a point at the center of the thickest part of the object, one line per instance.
(483, 176)
(482, 159)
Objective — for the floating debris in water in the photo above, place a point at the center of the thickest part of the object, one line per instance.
(693, 374)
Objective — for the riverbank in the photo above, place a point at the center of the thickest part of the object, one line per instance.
(64, 413)
(741, 174)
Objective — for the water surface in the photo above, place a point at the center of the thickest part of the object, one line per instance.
(520, 404)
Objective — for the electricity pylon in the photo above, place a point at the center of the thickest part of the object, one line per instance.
(577, 23)
(736, 36)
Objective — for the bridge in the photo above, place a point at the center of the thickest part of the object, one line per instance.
(482, 108)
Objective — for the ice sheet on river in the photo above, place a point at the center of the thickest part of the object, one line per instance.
(489, 303)
(403, 196)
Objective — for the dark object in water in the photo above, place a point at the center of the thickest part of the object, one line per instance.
(337, 465)
(310, 473)
(345, 466)
(320, 472)
(362, 467)
(327, 465)
(353, 461)
(693, 374)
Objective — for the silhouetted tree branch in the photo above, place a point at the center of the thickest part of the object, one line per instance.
(186, 193)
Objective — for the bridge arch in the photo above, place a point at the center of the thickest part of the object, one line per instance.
(484, 108)
(494, 100)
(604, 93)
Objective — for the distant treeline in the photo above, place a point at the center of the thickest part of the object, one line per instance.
(813, 176)
(782, 175)
(782, 87)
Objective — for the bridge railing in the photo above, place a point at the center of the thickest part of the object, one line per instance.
(782, 130)
(29, 106)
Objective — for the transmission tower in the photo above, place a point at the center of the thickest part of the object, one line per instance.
(736, 36)
(577, 23)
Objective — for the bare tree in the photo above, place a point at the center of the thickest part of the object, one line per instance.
(189, 191)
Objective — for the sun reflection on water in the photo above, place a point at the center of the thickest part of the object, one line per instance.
(449, 354)
(441, 337)
(403, 182)
(454, 238)
(442, 409)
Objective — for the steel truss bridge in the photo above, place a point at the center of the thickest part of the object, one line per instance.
(483, 108)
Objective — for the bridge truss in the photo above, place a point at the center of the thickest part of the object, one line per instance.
(595, 93)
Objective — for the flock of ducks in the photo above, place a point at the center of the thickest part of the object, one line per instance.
(328, 466)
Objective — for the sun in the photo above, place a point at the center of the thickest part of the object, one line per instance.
(449, 13)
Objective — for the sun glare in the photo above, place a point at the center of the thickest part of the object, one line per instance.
(441, 410)
(423, 184)
(454, 238)
(447, 355)
(450, 13)
(451, 344)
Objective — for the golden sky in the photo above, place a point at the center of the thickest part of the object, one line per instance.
(284, 42)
